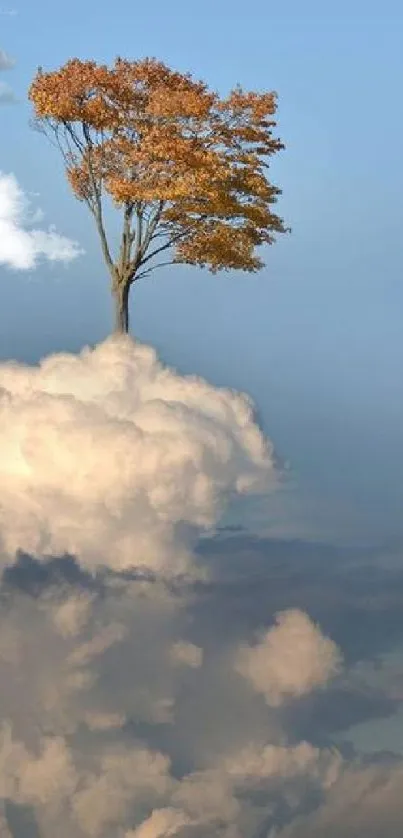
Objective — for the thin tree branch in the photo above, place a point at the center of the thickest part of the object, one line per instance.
(151, 270)
(163, 247)
(98, 214)
(151, 227)
(144, 242)
(72, 134)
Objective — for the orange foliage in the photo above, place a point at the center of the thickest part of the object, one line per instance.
(187, 168)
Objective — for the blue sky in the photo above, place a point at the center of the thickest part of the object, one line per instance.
(316, 337)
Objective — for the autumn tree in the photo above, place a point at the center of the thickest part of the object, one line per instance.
(186, 169)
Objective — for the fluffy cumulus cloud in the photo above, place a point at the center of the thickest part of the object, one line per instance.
(21, 244)
(110, 456)
(161, 823)
(290, 659)
(117, 718)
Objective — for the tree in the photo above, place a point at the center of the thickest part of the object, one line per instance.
(185, 168)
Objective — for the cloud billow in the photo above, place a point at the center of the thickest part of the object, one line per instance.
(93, 685)
(115, 720)
(22, 245)
(290, 659)
(109, 455)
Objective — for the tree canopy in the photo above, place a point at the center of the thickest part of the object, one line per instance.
(186, 168)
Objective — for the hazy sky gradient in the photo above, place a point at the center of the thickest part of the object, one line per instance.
(316, 337)
(274, 680)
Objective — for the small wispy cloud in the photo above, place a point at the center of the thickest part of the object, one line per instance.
(21, 246)
(7, 95)
(6, 62)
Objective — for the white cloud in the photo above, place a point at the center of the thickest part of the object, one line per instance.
(92, 795)
(187, 654)
(20, 246)
(162, 823)
(114, 458)
(126, 774)
(290, 659)
(28, 778)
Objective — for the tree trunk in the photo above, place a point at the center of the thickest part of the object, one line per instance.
(121, 297)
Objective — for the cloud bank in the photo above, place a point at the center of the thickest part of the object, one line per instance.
(21, 245)
(96, 711)
(117, 717)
